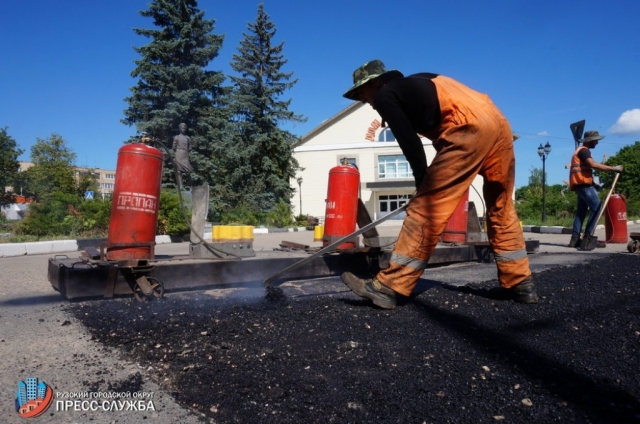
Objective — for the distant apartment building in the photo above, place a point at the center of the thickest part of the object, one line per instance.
(105, 178)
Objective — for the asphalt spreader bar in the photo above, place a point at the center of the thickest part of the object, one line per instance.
(331, 247)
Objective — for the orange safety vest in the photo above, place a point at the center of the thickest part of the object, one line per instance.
(580, 173)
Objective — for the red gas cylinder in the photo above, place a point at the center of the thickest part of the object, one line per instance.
(456, 229)
(615, 220)
(134, 208)
(342, 205)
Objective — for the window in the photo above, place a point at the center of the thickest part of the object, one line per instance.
(110, 176)
(391, 202)
(107, 186)
(386, 135)
(393, 166)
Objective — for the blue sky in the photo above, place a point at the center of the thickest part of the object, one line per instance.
(67, 64)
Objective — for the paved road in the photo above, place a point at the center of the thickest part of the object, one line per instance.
(38, 339)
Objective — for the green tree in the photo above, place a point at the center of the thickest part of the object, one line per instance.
(56, 215)
(174, 84)
(629, 181)
(22, 184)
(560, 201)
(260, 165)
(53, 168)
(171, 217)
(535, 177)
(9, 165)
(86, 182)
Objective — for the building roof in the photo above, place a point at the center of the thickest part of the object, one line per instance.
(327, 123)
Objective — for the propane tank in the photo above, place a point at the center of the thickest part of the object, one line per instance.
(342, 205)
(615, 220)
(134, 207)
(456, 229)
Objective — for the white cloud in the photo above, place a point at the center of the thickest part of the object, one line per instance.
(542, 134)
(628, 123)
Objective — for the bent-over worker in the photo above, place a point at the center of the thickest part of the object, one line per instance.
(471, 137)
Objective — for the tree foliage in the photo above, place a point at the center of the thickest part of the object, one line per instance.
(260, 164)
(629, 181)
(9, 165)
(66, 214)
(171, 218)
(53, 168)
(86, 182)
(560, 202)
(175, 86)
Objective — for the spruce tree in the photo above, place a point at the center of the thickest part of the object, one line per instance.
(260, 166)
(175, 86)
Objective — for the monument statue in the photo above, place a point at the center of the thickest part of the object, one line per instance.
(181, 146)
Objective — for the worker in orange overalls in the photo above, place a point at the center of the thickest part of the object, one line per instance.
(471, 137)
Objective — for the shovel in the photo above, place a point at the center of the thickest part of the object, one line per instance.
(589, 241)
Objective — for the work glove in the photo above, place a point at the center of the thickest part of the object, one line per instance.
(618, 168)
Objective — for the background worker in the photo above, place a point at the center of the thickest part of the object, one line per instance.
(471, 137)
(581, 181)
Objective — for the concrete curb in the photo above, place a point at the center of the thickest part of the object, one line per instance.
(547, 230)
(278, 230)
(560, 230)
(59, 246)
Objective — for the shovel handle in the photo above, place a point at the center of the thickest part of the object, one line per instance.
(606, 201)
(335, 244)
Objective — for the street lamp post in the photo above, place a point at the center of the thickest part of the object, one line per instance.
(300, 192)
(543, 152)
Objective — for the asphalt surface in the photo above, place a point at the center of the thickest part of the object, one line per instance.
(42, 335)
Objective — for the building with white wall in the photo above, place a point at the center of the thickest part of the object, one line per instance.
(355, 135)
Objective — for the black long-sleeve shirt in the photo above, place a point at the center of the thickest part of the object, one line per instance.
(410, 106)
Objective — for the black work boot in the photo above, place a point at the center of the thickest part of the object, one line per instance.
(591, 242)
(574, 242)
(525, 292)
(377, 292)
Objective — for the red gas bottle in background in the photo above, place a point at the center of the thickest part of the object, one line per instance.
(341, 212)
(134, 207)
(456, 229)
(615, 220)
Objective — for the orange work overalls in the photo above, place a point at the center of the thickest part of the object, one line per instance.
(473, 138)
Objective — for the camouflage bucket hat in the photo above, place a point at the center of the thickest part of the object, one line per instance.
(367, 72)
(591, 136)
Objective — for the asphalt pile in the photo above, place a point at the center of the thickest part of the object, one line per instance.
(449, 355)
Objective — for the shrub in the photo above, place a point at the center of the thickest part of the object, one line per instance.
(240, 215)
(171, 219)
(281, 216)
(57, 215)
(94, 217)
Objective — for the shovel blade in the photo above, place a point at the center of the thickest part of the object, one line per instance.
(588, 242)
(577, 128)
